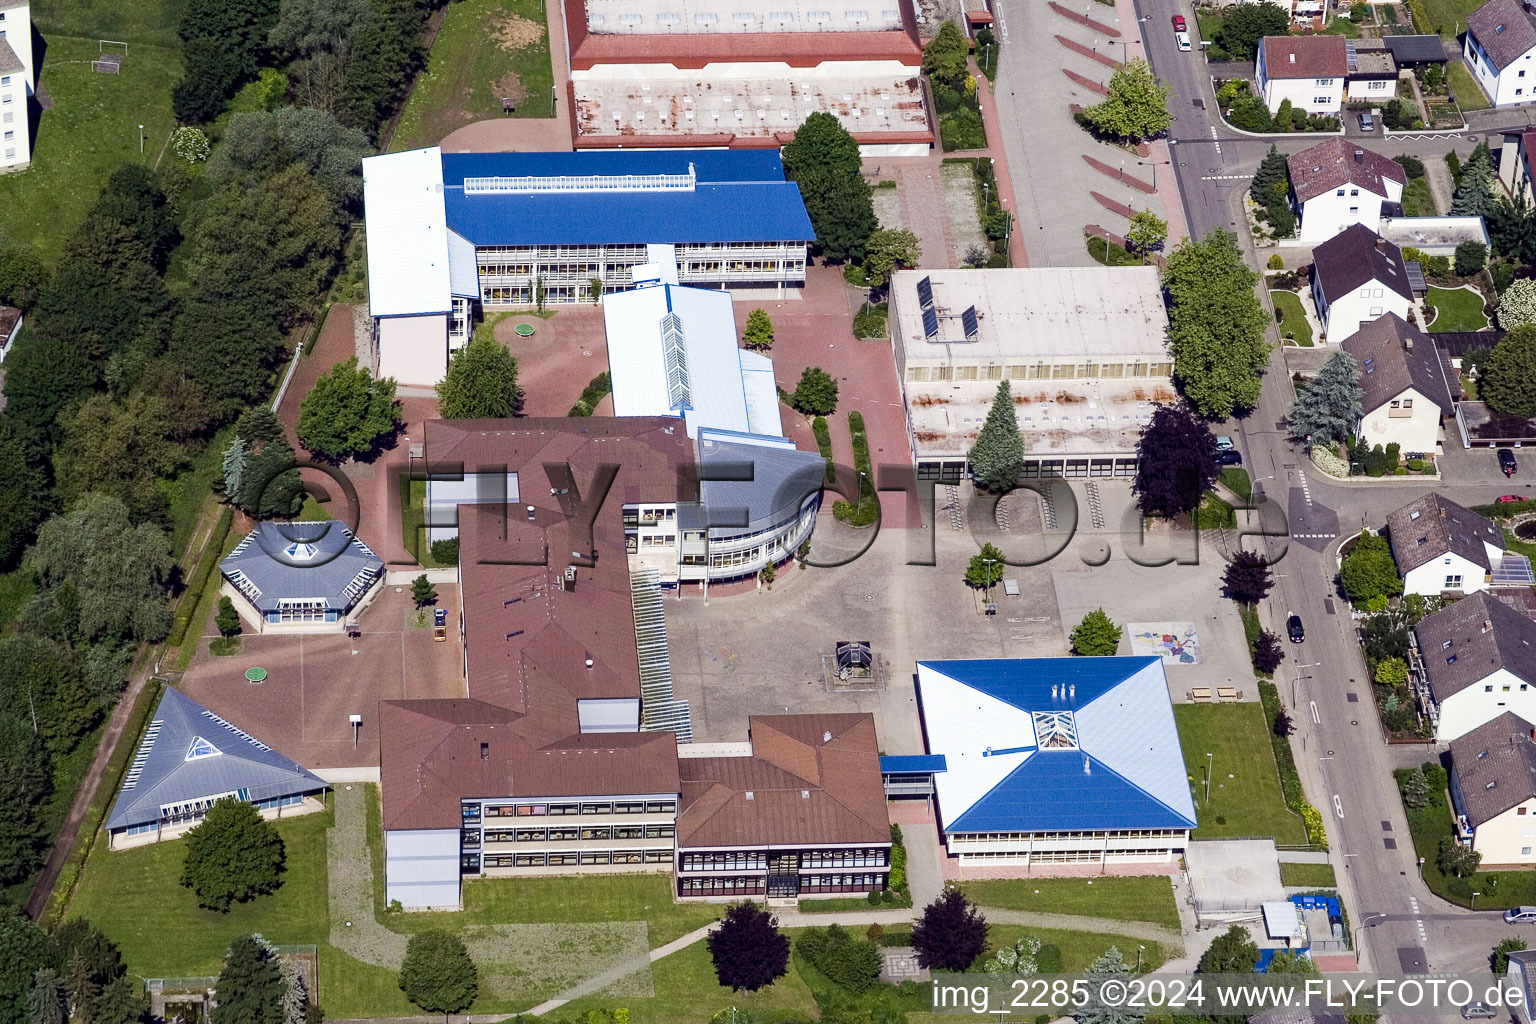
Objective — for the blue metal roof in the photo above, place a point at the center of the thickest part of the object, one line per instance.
(912, 763)
(285, 561)
(767, 211)
(708, 164)
(1054, 744)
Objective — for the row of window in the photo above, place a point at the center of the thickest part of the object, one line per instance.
(587, 807)
(585, 858)
(744, 17)
(729, 861)
(841, 883)
(844, 859)
(1003, 837)
(741, 266)
(602, 833)
(1040, 371)
(722, 886)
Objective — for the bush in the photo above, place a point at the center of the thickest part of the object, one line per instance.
(595, 391)
(1413, 168)
(1327, 460)
(869, 321)
(1276, 263)
(446, 552)
(962, 129)
(853, 964)
(1471, 256)
(1438, 266)
(1250, 114)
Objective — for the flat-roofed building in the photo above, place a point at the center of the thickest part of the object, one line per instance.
(1084, 348)
(18, 82)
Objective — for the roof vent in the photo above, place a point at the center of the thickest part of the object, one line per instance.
(805, 794)
(1293, 58)
(1487, 625)
(1071, 691)
(1490, 785)
(826, 736)
(530, 513)
(749, 794)
(1053, 691)
(1359, 156)
(1087, 768)
(589, 660)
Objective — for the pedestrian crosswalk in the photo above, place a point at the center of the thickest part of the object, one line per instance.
(1225, 177)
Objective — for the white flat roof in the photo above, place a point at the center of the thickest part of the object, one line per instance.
(716, 394)
(1063, 311)
(408, 264)
(1056, 417)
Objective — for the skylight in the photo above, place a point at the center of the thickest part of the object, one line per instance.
(1055, 730)
(200, 749)
(301, 551)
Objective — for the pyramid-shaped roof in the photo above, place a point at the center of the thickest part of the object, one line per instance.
(1054, 744)
(189, 753)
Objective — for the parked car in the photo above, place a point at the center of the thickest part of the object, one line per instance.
(1230, 457)
(1182, 38)
(1504, 498)
(1295, 630)
(1507, 462)
(1367, 122)
(1520, 915)
(1478, 1011)
(439, 616)
(1224, 443)
(1179, 24)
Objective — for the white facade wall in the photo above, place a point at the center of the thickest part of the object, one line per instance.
(768, 71)
(1345, 315)
(1412, 427)
(1515, 84)
(1482, 702)
(1509, 838)
(689, 17)
(1449, 572)
(1326, 215)
(15, 87)
(16, 29)
(1381, 89)
(412, 349)
(1081, 848)
(421, 868)
(1314, 95)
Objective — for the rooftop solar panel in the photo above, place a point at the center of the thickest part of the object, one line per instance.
(930, 323)
(925, 293)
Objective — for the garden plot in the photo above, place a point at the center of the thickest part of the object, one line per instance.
(960, 203)
(888, 208)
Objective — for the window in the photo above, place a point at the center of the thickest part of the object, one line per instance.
(1325, 81)
(1339, 192)
(634, 19)
(705, 18)
(1520, 810)
(1525, 851)
(1454, 583)
(5, 80)
(1488, 689)
(1354, 211)
(1321, 101)
(1407, 403)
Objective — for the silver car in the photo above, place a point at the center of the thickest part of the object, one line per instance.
(1520, 915)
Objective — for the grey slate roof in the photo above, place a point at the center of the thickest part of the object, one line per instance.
(1416, 49)
(188, 753)
(1429, 527)
(324, 560)
(1495, 766)
(1357, 256)
(1505, 29)
(1394, 356)
(781, 479)
(9, 62)
(1465, 643)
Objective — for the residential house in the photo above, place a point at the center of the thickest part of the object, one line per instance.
(1337, 183)
(1372, 73)
(188, 760)
(1478, 661)
(798, 810)
(1442, 548)
(1521, 972)
(1493, 792)
(18, 82)
(1358, 276)
(1307, 70)
(1056, 760)
(1499, 47)
(1515, 156)
(1406, 394)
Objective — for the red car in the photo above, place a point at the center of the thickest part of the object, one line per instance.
(1179, 25)
(1508, 497)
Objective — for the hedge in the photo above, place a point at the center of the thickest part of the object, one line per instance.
(593, 393)
(824, 442)
(1285, 761)
(191, 597)
(867, 511)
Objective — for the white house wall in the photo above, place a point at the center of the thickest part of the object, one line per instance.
(1326, 215)
(1435, 578)
(1371, 89)
(1348, 313)
(1515, 84)
(1315, 95)
(776, 72)
(413, 349)
(1418, 431)
(1481, 702)
(1509, 838)
(421, 868)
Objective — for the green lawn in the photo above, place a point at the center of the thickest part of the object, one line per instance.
(1418, 200)
(1124, 898)
(1449, 17)
(1293, 318)
(413, 521)
(487, 49)
(1111, 255)
(207, 601)
(1498, 889)
(1250, 803)
(1469, 95)
(1311, 875)
(129, 21)
(92, 130)
(1458, 309)
(1342, 27)
(1062, 951)
(1236, 479)
(1210, 28)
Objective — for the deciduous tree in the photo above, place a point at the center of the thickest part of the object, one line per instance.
(758, 334)
(1137, 105)
(223, 42)
(422, 591)
(1369, 570)
(997, 457)
(985, 568)
(1267, 653)
(1174, 462)
(1500, 958)
(821, 146)
(1216, 325)
(1290, 962)
(842, 213)
(887, 251)
(1147, 232)
(1247, 578)
(1456, 859)
(348, 412)
(1509, 380)
(227, 620)
(816, 393)
(950, 934)
(481, 382)
(1327, 410)
(438, 974)
(748, 950)
(1096, 636)
(233, 855)
(1231, 952)
(1517, 306)
(23, 949)
(944, 57)
(257, 144)
(1245, 25)
(1471, 256)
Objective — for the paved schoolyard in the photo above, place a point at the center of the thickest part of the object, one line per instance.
(316, 680)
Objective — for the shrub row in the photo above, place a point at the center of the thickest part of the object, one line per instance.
(824, 442)
(867, 511)
(192, 597)
(1285, 761)
(594, 392)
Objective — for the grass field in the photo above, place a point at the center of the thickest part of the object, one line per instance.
(1469, 96)
(1236, 478)
(1458, 309)
(1310, 875)
(1110, 255)
(1429, 825)
(487, 49)
(413, 521)
(1418, 200)
(130, 21)
(1128, 898)
(92, 130)
(1449, 17)
(1073, 951)
(1250, 802)
(1293, 319)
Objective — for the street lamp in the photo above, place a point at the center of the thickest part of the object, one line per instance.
(1152, 164)
(989, 563)
(1209, 764)
(1474, 900)
(1139, 951)
(141, 140)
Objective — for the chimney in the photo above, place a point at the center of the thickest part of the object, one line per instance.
(530, 513)
(1381, 244)
(749, 794)
(1072, 691)
(1487, 625)
(1408, 344)
(589, 661)
(1293, 58)
(1359, 156)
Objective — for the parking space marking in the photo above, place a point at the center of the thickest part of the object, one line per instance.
(1315, 719)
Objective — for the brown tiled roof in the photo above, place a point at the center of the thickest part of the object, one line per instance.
(1471, 639)
(698, 49)
(1356, 256)
(1495, 766)
(1505, 30)
(811, 779)
(1429, 527)
(1332, 164)
(10, 316)
(1316, 56)
(1394, 356)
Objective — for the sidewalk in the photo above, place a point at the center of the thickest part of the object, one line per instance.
(994, 151)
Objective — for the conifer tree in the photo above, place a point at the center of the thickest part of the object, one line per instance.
(998, 454)
(1328, 408)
